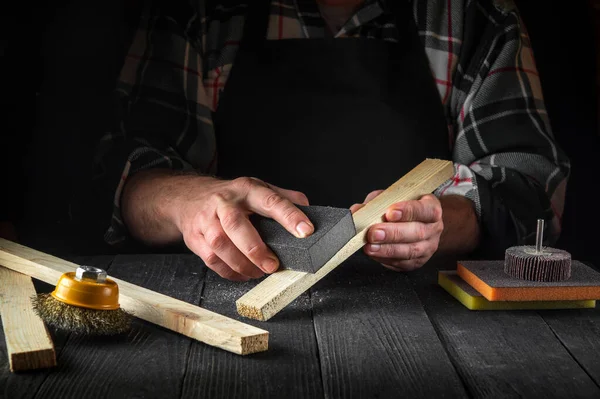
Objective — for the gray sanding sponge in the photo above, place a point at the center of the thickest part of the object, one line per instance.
(334, 227)
(489, 279)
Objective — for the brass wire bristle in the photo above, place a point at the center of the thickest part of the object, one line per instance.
(84, 302)
(80, 320)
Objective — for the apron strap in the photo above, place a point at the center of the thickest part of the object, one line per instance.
(256, 24)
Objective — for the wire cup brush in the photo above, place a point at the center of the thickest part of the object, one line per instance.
(84, 302)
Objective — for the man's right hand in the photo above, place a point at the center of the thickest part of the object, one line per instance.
(211, 216)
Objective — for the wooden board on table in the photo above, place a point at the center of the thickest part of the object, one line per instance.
(28, 342)
(25, 385)
(579, 331)
(282, 287)
(375, 338)
(148, 361)
(289, 369)
(501, 354)
(180, 316)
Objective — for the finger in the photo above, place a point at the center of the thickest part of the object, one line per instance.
(401, 251)
(403, 265)
(244, 236)
(356, 207)
(220, 243)
(295, 196)
(372, 195)
(369, 197)
(267, 202)
(197, 244)
(427, 210)
(404, 232)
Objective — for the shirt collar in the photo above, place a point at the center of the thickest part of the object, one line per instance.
(313, 24)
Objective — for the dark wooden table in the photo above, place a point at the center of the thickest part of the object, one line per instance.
(361, 332)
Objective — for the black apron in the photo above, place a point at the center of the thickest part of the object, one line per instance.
(332, 118)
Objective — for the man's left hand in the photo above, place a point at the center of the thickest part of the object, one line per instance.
(409, 235)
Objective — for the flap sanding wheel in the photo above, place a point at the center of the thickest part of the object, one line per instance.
(537, 263)
(550, 264)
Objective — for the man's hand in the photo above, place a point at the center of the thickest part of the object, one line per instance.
(414, 230)
(409, 236)
(211, 216)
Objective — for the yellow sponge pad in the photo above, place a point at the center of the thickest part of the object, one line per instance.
(489, 279)
(473, 300)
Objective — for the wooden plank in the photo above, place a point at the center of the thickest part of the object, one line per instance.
(375, 338)
(149, 361)
(289, 369)
(579, 332)
(282, 287)
(28, 342)
(504, 353)
(182, 317)
(25, 385)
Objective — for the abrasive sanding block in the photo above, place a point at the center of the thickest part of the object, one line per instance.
(334, 227)
(473, 300)
(489, 279)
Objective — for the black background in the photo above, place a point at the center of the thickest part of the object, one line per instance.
(59, 63)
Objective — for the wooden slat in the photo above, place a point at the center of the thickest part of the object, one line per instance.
(25, 385)
(28, 342)
(149, 361)
(501, 354)
(579, 332)
(176, 315)
(375, 339)
(289, 369)
(282, 287)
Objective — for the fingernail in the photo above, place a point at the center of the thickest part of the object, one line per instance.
(303, 229)
(379, 235)
(374, 247)
(270, 265)
(395, 216)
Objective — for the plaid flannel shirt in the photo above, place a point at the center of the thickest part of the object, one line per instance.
(506, 159)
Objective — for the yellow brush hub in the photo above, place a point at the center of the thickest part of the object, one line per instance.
(87, 288)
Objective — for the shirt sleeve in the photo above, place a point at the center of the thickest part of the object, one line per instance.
(162, 115)
(506, 158)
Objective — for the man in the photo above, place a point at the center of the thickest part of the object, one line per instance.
(233, 108)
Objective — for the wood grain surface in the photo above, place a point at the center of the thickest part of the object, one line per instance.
(26, 385)
(375, 339)
(579, 332)
(149, 361)
(289, 369)
(28, 342)
(502, 354)
(363, 332)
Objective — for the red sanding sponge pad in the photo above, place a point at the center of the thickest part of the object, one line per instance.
(489, 279)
